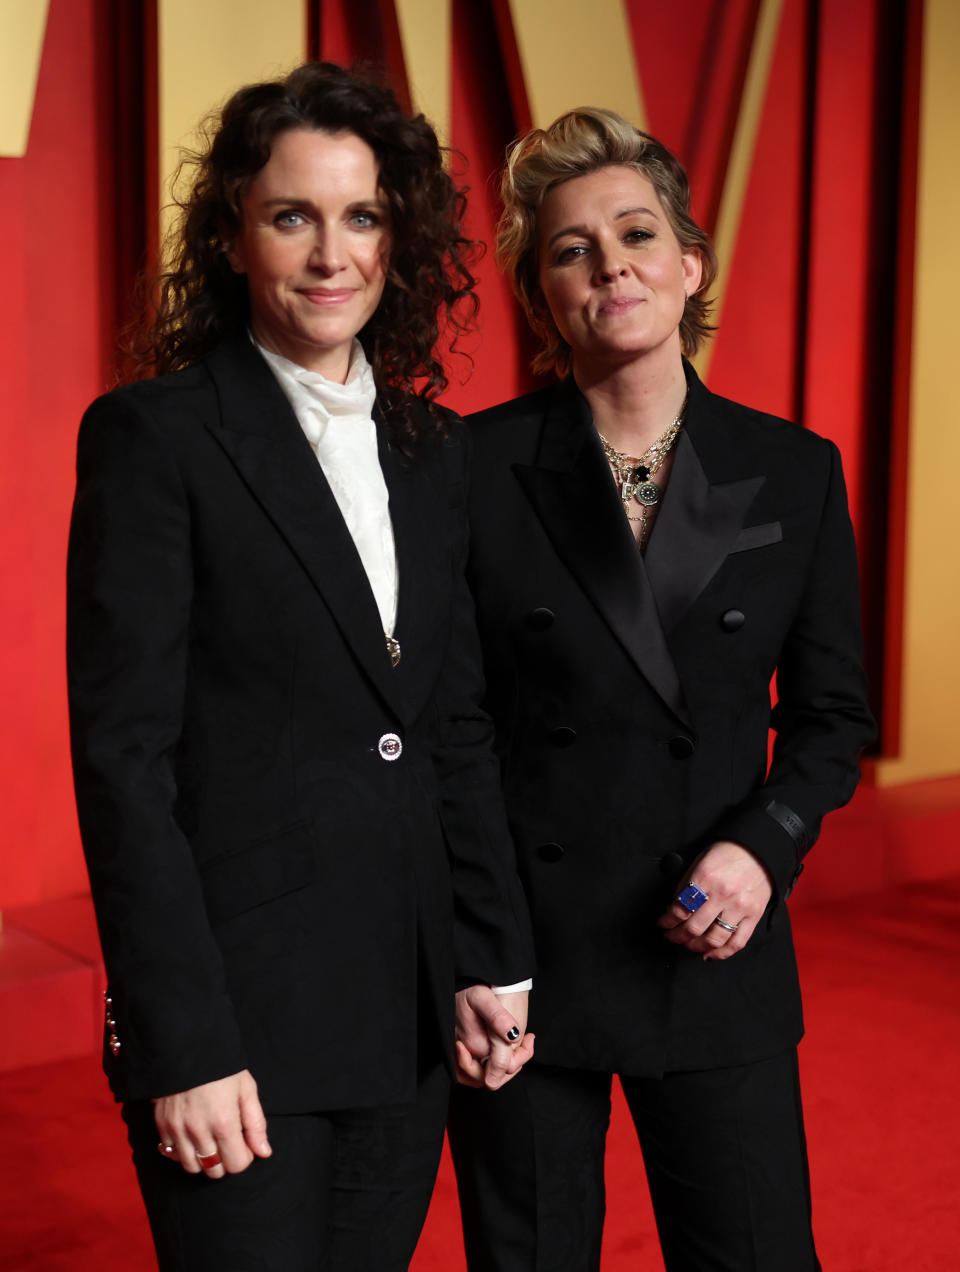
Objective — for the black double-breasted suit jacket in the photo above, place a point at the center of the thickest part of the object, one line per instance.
(289, 840)
(631, 696)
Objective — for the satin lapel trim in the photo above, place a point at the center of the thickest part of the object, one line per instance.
(423, 576)
(694, 532)
(260, 433)
(578, 507)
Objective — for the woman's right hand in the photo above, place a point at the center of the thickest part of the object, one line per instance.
(223, 1119)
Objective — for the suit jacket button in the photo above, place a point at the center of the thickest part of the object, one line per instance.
(563, 735)
(550, 852)
(672, 865)
(733, 620)
(390, 747)
(540, 618)
(681, 747)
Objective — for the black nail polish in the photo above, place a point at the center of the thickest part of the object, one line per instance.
(513, 1034)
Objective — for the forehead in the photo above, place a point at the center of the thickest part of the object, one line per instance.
(602, 195)
(312, 160)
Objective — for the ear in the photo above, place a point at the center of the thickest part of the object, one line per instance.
(234, 254)
(692, 266)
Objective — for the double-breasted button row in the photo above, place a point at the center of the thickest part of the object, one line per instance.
(671, 863)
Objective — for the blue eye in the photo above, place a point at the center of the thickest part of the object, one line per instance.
(365, 220)
(289, 219)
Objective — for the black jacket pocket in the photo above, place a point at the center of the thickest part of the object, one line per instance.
(258, 872)
(757, 536)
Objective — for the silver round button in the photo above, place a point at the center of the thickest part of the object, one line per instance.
(390, 747)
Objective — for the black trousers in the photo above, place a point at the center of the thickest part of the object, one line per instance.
(724, 1152)
(345, 1191)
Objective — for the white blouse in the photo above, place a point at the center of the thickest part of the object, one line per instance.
(338, 422)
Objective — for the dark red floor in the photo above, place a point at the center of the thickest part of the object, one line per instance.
(879, 1066)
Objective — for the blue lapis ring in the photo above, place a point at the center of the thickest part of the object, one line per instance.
(691, 898)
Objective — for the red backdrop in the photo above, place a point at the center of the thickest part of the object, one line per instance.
(818, 289)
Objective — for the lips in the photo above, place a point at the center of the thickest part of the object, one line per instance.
(328, 295)
(619, 305)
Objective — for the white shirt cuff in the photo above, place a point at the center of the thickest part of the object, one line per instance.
(513, 989)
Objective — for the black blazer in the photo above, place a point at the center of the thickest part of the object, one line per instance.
(271, 881)
(631, 700)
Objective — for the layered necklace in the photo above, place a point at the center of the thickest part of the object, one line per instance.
(634, 475)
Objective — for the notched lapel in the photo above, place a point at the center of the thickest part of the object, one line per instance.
(695, 530)
(260, 433)
(574, 497)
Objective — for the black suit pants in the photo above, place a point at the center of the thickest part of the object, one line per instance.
(724, 1152)
(346, 1191)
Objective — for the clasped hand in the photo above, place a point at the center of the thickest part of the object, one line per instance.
(491, 1043)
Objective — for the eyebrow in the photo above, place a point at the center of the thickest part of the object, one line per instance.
(582, 229)
(295, 201)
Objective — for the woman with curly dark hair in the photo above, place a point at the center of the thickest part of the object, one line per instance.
(286, 793)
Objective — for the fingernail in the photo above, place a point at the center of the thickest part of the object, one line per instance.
(513, 1034)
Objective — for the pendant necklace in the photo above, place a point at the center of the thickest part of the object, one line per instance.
(634, 474)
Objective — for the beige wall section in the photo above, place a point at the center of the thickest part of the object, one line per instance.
(930, 711)
(206, 50)
(576, 54)
(22, 26)
(425, 34)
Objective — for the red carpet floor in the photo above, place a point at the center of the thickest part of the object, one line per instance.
(880, 1073)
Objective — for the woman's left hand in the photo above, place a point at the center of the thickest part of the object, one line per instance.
(738, 890)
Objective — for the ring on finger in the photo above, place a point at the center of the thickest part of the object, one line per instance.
(209, 1160)
(727, 927)
(165, 1149)
(691, 898)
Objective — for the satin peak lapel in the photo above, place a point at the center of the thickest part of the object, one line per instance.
(260, 433)
(572, 492)
(694, 531)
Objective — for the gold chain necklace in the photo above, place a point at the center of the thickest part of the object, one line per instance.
(634, 473)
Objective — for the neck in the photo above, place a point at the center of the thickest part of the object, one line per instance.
(634, 403)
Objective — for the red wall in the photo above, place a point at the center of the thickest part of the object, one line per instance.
(56, 229)
(807, 327)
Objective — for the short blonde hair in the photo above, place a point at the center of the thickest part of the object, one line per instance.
(576, 143)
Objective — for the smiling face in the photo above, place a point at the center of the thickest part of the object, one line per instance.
(314, 246)
(611, 270)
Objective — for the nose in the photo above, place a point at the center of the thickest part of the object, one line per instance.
(327, 255)
(610, 263)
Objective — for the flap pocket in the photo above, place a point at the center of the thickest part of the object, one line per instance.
(259, 872)
(757, 536)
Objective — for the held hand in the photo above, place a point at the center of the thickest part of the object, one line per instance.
(221, 1120)
(491, 1045)
(738, 889)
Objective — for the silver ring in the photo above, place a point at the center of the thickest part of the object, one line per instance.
(727, 927)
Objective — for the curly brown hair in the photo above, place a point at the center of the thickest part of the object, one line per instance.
(576, 143)
(199, 300)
